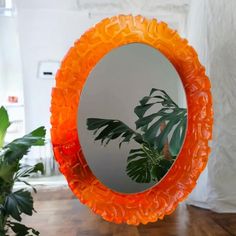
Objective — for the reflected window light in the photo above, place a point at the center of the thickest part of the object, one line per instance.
(7, 8)
(8, 4)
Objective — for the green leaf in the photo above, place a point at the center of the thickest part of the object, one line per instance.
(146, 165)
(156, 96)
(21, 230)
(19, 202)
(7, 171)
(141, 110)
(95, 123)
(4, 124)
(160, 169)
(162, 137)
(134, 153)
(170, 115)
(184, 127)
(106, 130)
(177, 138)
(139, 170)
(26, 171)
(151, 133)
(15, 150)
(142, 121)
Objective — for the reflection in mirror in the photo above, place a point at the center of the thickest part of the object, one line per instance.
(132, 118)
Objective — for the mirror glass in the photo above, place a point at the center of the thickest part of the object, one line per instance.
(132, 118)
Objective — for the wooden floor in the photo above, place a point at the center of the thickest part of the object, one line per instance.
(59, 214)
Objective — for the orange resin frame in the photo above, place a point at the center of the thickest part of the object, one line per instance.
(163, 198)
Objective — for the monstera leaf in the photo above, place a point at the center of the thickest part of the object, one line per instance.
(171, 115)
(112, 129)
(146, 165)
(165, 126)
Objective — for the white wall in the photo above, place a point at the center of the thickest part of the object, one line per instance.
(45, 34)
(10, 62)
(212, 27)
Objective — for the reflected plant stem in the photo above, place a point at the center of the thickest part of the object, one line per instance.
(166, 151)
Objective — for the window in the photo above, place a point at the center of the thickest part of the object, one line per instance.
(8, 4)
(6, 7)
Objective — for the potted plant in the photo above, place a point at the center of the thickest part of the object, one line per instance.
(14, 203)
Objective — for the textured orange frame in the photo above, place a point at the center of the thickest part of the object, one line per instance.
(163, 198)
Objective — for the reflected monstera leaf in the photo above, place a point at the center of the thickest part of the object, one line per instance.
(106, 130)
(153, 132)
(174, 118)
(146, 165)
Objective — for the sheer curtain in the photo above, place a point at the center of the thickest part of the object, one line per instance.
(211, 30)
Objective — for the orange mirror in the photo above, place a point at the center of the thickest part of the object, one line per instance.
(131, 119)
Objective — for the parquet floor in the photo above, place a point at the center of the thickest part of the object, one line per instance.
(59, 214)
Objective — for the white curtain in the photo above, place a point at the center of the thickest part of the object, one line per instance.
(212, 31)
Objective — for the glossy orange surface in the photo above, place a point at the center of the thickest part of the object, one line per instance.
(163, 198)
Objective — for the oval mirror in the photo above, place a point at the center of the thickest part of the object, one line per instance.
(132, 118)
(119, 119)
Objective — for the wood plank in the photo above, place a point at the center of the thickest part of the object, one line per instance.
(60, 214)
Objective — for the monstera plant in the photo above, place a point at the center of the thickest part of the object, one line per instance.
(160, 136)
(14, 203)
